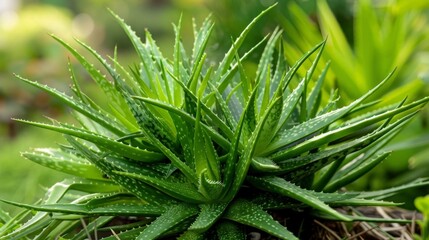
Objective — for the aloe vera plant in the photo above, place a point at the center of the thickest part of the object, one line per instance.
(187, 148)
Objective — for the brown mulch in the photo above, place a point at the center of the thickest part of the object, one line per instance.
(315, 229)
(370, 231)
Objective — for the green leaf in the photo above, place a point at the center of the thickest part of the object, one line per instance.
(188, 118)
(187, 193)
(104, 119)
(227, 230)
(118, 106)
(262, 164)
(229, 56)
(205, 155)
(208, 216)
(201, 38)
(288, 189)
(139, 188)
(315, 124)
(342, 131)
(64, 162)
(209, 188)
(384, 193)
(103, 142)
(247, 213)
(264, 72)
(245, 159)
(192, 235)
(356, 173)
(54, 194)
(313, 101)
(101, 208)
(171, 218)
(10, 224)
(270, 124)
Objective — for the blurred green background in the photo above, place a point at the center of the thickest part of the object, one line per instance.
(366, 40)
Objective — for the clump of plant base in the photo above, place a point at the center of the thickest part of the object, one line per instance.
(196, 150)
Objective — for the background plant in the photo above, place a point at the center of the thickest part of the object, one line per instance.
(422, 204)
(235, 142)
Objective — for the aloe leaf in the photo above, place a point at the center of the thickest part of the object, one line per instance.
(289, 105)
(98, 117)
(153, 121)
(208, 216)
(168, 220)
(226, 113)
(12, 223)
(229, 230)
(315, 124)
(53, 195)
(121, 209)
(356, 173)
(192, 235)
(313, 101)
(233, 155)
(187, 193)
(248, 213)
(148, 68)
(191, 100)
(152, 170)
(250, 116)
(270, 123)
(335, 152)
(103, 142)
(262, 164)
(362, 218)
(382, 194)
(288, 189)
(106, 86)
(226, 78)
(179, 60)
(132, 233)
(140, 189)
(308, 76)
(360, 157)
(264, 71)
(119, 107)
(192, 84)
(175, 160)
(205, 155)
(201, 37)
(55, 228)
(307, 165)
(188, 118)
(229, 56)
(245, 159)
(337, 133)
(292, 71)
(209, 188)
(185, 133)
(327, 175)
(356, 202)
(64, 162)
(280, 70)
